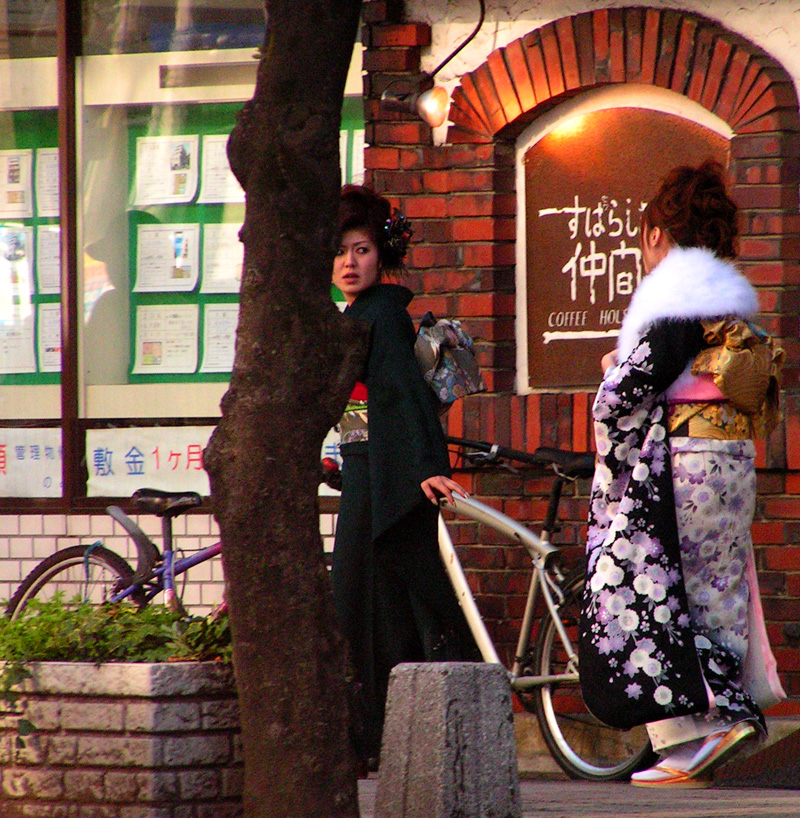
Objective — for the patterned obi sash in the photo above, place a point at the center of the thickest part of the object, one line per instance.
(718, 421)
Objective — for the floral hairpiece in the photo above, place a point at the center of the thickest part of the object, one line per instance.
(397, 233)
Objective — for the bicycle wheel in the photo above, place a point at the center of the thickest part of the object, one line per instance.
(583, 746)
(91, 574)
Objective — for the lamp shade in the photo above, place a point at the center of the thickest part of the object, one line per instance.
(433, 105)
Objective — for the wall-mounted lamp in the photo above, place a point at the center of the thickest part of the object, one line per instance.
(417, 94)
(407, 96)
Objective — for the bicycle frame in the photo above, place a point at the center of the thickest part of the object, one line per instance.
(163, 577)
(540, 551)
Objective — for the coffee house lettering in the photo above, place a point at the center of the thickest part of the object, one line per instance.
(611, 317)
(567, 318)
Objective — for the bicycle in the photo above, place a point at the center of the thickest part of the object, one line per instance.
(544, 673)
(98, 575)
(95, 574)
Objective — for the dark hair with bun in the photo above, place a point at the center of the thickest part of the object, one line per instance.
(693, 207)
(362, 209)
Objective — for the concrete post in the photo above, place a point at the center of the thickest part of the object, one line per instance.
(448, 744)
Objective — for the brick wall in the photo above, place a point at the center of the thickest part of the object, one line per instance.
(124, 741)
(27, 539)
(461, 198)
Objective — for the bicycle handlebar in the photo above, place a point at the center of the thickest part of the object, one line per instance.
(571, 464)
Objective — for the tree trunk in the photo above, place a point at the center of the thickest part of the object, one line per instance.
(296, 360)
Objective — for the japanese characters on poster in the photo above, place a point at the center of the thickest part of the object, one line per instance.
(48, 331)
(166, 338)
(48, 259)
(223, 258)
(167, 257)
(47, 203)
(17, 353)
(166, 169)
(168, 458)
(30, 462)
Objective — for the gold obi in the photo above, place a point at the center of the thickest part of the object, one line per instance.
(717, 421)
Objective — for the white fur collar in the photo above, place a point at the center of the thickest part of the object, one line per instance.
(690, 282)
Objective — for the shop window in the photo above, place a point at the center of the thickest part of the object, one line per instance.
(159, 262)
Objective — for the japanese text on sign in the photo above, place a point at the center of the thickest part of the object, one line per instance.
(609, 272)
(123, 460)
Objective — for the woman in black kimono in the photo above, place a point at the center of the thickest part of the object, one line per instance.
(393, 599)
(671, 602)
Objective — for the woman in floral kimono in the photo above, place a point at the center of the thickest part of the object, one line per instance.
(670, 590)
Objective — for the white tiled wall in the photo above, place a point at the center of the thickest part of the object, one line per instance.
(27, 539)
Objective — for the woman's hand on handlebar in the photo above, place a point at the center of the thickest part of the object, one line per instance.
(438, 486)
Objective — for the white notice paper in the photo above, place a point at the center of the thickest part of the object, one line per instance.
(48, 259)
(166, 339)
(16, 185)
(357, 176)
(223, 258)
(219, 184)
(16, 308)
(169, 458)
(344, 146)
(47, 203)
(166, 169)
(48, 324)
(30, 462)
(16, 268)
(167, 257)
(219, 337)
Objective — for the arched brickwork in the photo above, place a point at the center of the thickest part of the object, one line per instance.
(689, 55)
(670, 49)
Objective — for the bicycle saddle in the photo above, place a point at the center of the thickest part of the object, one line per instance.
(165, 503)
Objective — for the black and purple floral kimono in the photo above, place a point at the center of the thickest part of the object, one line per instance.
(664, 628)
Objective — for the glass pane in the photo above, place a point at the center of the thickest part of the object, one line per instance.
(28, 28)
(143, 26)
(30, 291)
(161, 210)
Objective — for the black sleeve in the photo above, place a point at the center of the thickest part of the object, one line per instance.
(664, 351)
(402, 408)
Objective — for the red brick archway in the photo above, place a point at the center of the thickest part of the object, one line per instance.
(689, 55)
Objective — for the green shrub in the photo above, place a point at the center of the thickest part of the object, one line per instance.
(53, 631)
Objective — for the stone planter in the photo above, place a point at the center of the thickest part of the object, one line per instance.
(124, 741)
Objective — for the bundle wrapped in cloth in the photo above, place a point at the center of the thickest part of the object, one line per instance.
(745, 363)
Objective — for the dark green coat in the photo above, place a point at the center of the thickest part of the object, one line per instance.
(406, 441)
(393, 600)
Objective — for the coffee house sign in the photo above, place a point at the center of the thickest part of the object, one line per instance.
(586, 185)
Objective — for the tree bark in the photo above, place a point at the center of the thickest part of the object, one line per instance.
(296, 361)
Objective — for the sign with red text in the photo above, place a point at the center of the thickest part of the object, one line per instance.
(586, 185)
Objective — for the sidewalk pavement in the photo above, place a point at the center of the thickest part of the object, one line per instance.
(583, 799)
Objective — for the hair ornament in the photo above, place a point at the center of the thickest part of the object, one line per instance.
(397, 233)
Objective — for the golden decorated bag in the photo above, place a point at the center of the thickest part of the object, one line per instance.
(744, 362)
